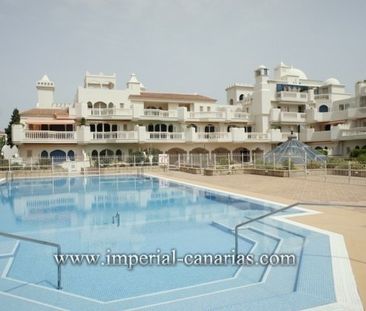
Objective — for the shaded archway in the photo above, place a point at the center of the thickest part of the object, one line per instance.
(71, 155)
(176, 154)
(106, 153)
(221, 151)
(44, 154)
(198, 151)
(242, 154)
(100, 105)
(58, 155)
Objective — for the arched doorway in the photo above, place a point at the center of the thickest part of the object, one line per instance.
(58, 155)
(241, 154)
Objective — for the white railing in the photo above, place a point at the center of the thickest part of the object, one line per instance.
(157, 113)
(356, 131)
(49, 135)
(241, 115)
(321, 136)
(321, 96)
(165, 135)
(293, 116)
(101, 112)
(214, 136)
(206, 115)
(292, 96)
(120, 135)
(257, 136)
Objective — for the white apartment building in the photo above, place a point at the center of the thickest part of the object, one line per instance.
(106, 121)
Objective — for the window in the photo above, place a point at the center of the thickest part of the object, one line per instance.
(327, 127)
(121, 105)
(94, 154)
(201, 108)
(208, 109)
(170, 128)
(71, 155)
(241, 97)
(114, 127)
(125, 127)
(231, 101)
(209, 128)
(44, 154)
(323, 108)
(150, 128)
(92, 127)
(90, 105)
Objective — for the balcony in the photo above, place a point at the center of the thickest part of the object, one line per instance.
(120, 136)
(165, 136)
(242, 116)
(207, 115)
(49, 137)
(214, 136)
(353, 133)
(321, 96)
(279, 116)
(112, 113)
(160, 114)
(292, 96)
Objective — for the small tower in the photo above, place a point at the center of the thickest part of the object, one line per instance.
(261, 99)
(45, 90)
(134, 85)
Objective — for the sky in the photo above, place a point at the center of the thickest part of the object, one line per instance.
(189, 46)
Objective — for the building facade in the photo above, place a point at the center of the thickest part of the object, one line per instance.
(106, 121)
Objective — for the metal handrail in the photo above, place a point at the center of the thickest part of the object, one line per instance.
(58, 246)
(238, 226)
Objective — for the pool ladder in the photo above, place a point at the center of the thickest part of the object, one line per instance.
(238, 226)
(58, 247)
(116, 219)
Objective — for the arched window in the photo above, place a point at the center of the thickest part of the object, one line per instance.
(119, 154)
(94, 154)
(241, 97)
(357, 147)
(100, 127)
(92, 127)
(71, 155)
(58, 155)
(323, 108)
(90, 105)
(157, 127)
(114, 127)
(44, 154)
(209, 128)
(100, 105)
(106, 153)
(110, 105)
(163, 127)
(231, 101)
(170, 128)
(107, 127)
(150, 128)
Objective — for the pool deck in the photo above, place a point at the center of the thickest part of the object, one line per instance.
(349, 222)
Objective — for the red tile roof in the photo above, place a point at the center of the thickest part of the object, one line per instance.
(171, 96)
(46, 112)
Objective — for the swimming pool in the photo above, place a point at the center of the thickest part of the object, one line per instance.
(142, 214)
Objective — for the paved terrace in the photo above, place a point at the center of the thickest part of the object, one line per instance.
(350, 222)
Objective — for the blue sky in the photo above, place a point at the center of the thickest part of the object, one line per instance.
(177, 46)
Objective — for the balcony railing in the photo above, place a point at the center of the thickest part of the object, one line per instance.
(241, 115)
(165, 135)
(157, 113)
(257, 136)
(49, 135)
(107, 112)
(356, 131)
(292, 96)
(321, 96)
(214, 136)
(120, 135)
(206, 115)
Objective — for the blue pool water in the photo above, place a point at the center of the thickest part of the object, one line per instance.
(155, 214)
